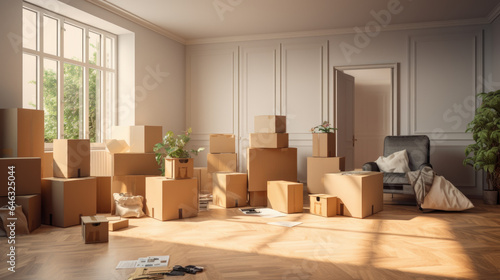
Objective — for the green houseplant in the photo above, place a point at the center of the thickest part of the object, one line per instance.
(323, 136)
(484, 153)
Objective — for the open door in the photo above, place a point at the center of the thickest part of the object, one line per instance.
(344, 117)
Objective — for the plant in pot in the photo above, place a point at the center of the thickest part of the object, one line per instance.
(323, 140)
(174, 160)
(484, 153)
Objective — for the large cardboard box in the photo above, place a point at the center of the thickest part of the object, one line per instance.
(134, 164)
(222, 143)
(103, 195)
(140, 138)
(169, 199)
(286, 197)
(319, 166)
(48, 165)
(204, 185)
(23, 174)
(179, 168)
(65, 200)
(32, 208)
(132, 184)
(323, 205)
(268, 140)
(21, 133)
(257, 199)
(270, 124)
(230, 189)
(71, 158)
(359, 193)
(270, 165)
(222, 163)
(324, 144)
(117, 146)
(95, 229)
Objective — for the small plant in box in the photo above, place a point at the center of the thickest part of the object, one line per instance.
(325, 127)
(323, 140)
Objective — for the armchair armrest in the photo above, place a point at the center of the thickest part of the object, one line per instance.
(370, 166)
(424, 165)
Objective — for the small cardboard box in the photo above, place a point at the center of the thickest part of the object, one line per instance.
(319, 166)
(204, 185)
(132, 184)
(23, 176)
(169, 199)
(48, 165)
(323, 205)
(258, 199)
(65, 200)
(103, 195)
(269, 165)
(286, 197)
(324, 144)
(95, 229)
(21, 133)
(117, 225)
(71, 158)
(222, 143)
(230, 189)
(222, 163)
(134, 164)
(117, 146)
(268, 140)
(179, 168)
(270, 124)
(140, 138)
(32, 208)
(359, 193)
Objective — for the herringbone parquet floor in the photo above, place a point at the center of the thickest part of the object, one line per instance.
(397, 243)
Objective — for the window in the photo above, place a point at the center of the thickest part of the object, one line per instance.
(69, 71)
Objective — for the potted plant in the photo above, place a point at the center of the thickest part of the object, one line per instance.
(323, 140)
(174, 160)
(484, 153)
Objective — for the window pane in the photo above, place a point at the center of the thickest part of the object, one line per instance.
(50, 35)
(110, 55)
(94, 48)
(50, 77)
(95, 112)
(30, 29)
(73, 101)
(30, 81)
(73, 42)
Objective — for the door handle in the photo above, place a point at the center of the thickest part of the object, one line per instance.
(353, 140)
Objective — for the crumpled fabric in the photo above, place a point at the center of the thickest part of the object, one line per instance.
(421, 181)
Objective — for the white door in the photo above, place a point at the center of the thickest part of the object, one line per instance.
(344, 117)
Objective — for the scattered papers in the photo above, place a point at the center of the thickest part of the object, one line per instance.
(285, 224)
(263, 212)
(126, 264)
(152, 261)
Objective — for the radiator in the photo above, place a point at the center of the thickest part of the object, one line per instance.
(100, 163)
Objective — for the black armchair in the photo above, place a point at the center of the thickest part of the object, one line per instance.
(418, 150)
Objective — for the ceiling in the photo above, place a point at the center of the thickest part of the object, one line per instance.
(194, 20)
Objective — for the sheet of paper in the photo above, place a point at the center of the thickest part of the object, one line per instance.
(285, 223)
(126, 264)
(270, 213)
(153, 261)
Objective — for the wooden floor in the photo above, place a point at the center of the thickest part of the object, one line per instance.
(397, 243)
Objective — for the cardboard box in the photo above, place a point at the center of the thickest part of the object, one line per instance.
(257, 199)
(21, 133)
(359, 193)
(179, 168)
(204, 185)
(134, 164)
(319, 166)
(270, 165)
(286, 197)
(268, 140)
(103, 194)
(64, 201)
(208, 188)
(25, 176)
(71, 158)
(117, 225)
(48, 165)
(132, 184)
(140, 138)
(222, 143)
(169, 199)
(222, 163)
(229, 189)
(323, 205)
(117, 146)
(95, 229)
(270, 124)
(324, 144)
(32, 208)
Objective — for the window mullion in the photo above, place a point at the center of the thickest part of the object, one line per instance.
(60, 87)
(86, 91)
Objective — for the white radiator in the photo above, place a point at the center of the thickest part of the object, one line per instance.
(100, 163)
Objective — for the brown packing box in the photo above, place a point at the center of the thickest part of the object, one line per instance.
(324, 144)
(117, 146)
(222, 143)
(268, 140)
(26, 176)
(319, 166)
(117, 225)
(230, 189)
(222, 163)
(21, 133)
(132, 184)
(65, 200)
(48, 165)
(179, 168)
(103, 186)
(257, 199)
(208, 188)
(95, 229)
(323, 205)
(270, 124)
(204, 185)
(32, 208)
(169, 199)
(71, 158)
(359, 193)
(140, 138)
(134, 164)
(286, 197)
(269, 165)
